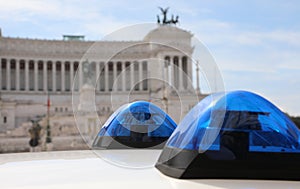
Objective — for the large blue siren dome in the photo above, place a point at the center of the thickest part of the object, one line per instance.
(240, 132)
(138, 124)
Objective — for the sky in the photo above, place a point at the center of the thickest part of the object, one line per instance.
(256, 44)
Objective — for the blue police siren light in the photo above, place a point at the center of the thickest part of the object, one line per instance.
(235, 135)
(138, 124)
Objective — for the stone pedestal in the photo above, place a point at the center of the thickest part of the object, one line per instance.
(89, 126)
(87, 118)
(87, 99)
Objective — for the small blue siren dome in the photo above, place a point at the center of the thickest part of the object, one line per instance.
(238, 131)
(138, 124)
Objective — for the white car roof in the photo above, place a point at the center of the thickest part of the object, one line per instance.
(118, 169)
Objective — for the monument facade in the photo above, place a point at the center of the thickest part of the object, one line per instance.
(157, 68)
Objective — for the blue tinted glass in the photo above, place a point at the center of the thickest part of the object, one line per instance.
(260, 123)
(140, 117)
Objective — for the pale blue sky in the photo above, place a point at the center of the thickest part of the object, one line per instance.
(255, 43)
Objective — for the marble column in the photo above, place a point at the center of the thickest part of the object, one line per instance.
(180, 73)
(8, 79)
(132, 76)
(97, 76)
(17, 75)
(123, 76)
(36, 76)
(53, 76)
(115, 85)
(26, 75)
(71, 75)
(171, 71)
(63, 82)
(106, 77)
(140, 75)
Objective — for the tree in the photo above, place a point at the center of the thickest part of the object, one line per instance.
(296, 120)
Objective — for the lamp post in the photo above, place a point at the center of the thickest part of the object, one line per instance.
(48, 129)
(165, 89)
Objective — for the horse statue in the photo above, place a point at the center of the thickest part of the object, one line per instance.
(165, 20)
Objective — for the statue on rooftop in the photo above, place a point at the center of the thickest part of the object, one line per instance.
(165, 20)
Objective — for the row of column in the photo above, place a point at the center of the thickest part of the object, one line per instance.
(36, 78)
(121, 76)
(29, 75)
(176, 72)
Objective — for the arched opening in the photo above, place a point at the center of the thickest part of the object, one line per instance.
(67, 80)
(58, 78)
(145, 75)
(40, 75)
(119, 79)
(185, 72)
(12, 74)
(101, 79)
(3, 73)
(136, 76)
(176, 72)
(110, 76)
(167, 61)
(31, 75)
(22, 75)
(127, 71)
(75, 83)
(49, 75)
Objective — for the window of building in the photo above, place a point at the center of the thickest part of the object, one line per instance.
(4, 119)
